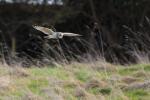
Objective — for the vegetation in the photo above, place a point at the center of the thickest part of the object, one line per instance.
(76, 81)
(109, 62)
(120, 31)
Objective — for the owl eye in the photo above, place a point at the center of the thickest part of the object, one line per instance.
(60, 35)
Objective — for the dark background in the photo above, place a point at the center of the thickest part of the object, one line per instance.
(113, 29)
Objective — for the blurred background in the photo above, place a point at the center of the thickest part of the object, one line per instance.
(117, 30)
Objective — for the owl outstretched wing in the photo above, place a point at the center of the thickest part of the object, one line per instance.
(44, 30)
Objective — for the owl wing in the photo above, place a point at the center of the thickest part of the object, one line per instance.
(45, 30)
(71, 34)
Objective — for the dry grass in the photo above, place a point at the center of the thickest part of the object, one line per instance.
(4, 82)
(84, 81)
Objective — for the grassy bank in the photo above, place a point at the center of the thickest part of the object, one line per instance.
(76, 81)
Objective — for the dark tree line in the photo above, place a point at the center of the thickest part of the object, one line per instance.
(110, 28)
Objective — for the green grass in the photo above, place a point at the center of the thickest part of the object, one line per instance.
(98, 90)
(133, 68)
(138, 94)
(147, 67)
(105, 91)
(127, 71)
(83, 75)
(36, 85)
(56, 72)
(65, 80)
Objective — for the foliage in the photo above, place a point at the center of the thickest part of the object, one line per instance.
(70, 82)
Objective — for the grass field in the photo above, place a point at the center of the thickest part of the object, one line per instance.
(76, 81)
